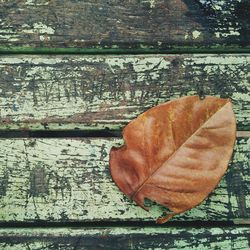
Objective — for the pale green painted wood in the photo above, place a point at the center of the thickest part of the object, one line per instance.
(69, 180)
(95, 92)
(125, 238)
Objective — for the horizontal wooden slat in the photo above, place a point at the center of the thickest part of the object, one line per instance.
(148, 24)
(69, 180)
(94, 92)
(125, 238)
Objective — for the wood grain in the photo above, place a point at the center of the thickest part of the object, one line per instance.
(69, 180)
(125, 238)
(149, 24)
(97, 92)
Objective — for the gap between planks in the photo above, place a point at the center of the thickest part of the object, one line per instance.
(124, 224)
(76, 134)
(105, 51)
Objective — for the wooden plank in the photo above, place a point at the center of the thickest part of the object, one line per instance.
(125, 238)
(147, 24)
(68, 180)
(95, 92)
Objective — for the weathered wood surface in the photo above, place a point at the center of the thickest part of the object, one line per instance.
(125, 238)
(130, 24)
(94, 92)
(69, 180)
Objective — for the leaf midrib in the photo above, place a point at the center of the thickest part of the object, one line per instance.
(177, 150)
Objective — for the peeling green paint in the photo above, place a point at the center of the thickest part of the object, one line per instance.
(39, 84)
(69, 180)
(196, 34)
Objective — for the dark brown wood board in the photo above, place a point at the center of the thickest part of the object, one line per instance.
(96, 25)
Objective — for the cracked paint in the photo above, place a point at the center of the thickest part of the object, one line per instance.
(38, 84)
(70, 180)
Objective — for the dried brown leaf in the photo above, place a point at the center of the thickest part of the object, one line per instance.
(175, 153)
